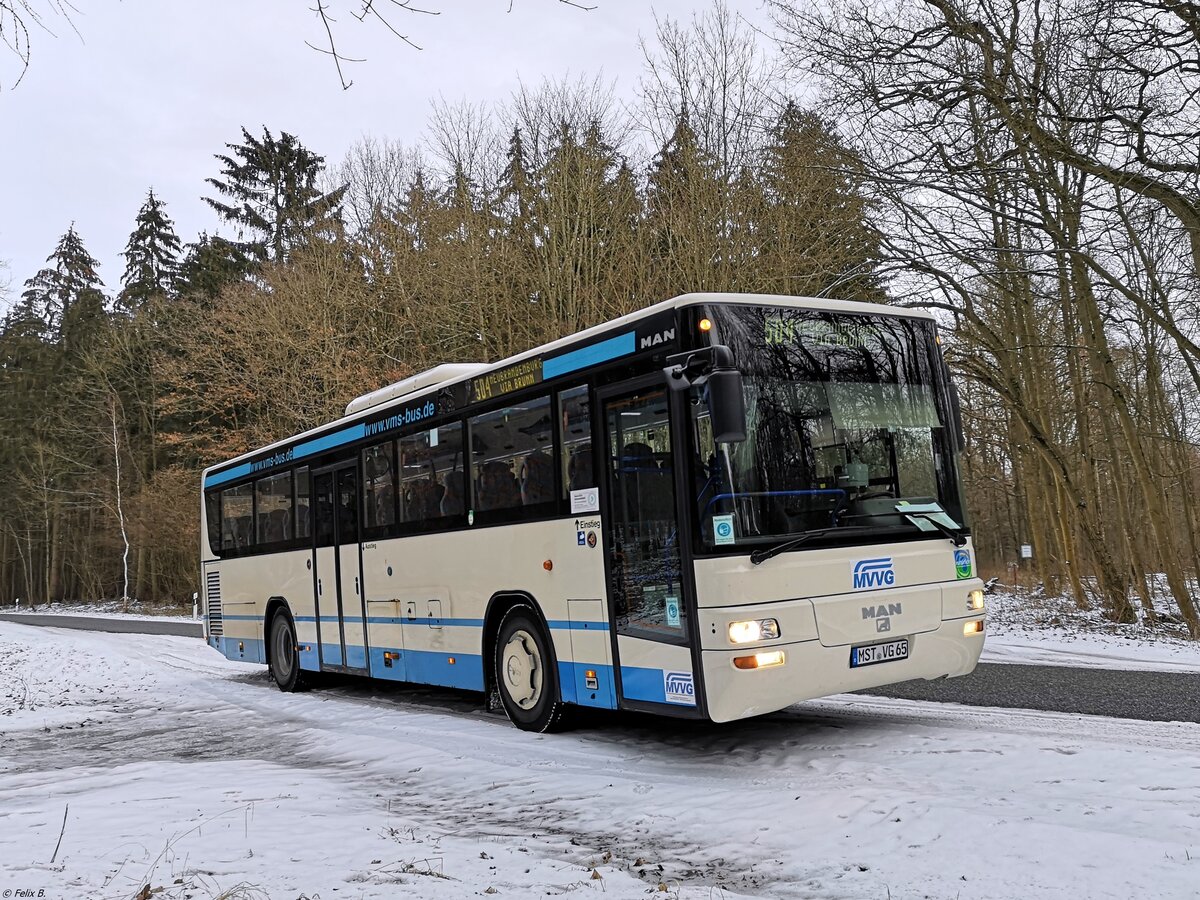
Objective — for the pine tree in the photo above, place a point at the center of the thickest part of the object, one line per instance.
(68, 295)
(210, 264)
(685, 214)
(151, 257)
(815, 235)
(273, 200)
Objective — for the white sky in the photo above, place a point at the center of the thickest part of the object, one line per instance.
(155, 88)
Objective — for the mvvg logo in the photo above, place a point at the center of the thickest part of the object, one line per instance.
(874, 573)
(679, 688)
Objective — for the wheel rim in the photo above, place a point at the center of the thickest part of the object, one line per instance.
(522, 670)
(285, 652)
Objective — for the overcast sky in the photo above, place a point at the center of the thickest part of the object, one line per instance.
(153, 89)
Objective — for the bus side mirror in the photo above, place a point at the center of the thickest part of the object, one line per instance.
(712, 368)
(726, 405)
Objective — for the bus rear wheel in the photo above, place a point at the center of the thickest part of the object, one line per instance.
(285, 658)
(526, 674)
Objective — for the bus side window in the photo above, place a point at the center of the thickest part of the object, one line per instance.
(575, 426)
(512, 456)
(446, 469)
(379, 485)
(303, 524)
(273, 511)
(237, 508)
(212, 508)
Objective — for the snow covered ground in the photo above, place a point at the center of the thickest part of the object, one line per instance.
(174, 768)
(106, 609)
(1024, 627)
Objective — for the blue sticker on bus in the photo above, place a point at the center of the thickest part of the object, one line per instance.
(678, 688)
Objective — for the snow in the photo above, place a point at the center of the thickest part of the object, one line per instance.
(178, 769)
(1026, 627)
(103, 609)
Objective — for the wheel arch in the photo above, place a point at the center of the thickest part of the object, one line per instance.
(499, 604)
(274, 605)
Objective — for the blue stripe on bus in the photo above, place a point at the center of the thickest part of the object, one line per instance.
(556, 624)
(318, 445)
(430, 667)
(253, 650)
(308, 448)
(565, 625)
(228, 475)
(466, 672)
(643, 684)
(572, 680)
(621, 345)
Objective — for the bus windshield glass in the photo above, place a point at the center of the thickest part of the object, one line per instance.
(846, 438)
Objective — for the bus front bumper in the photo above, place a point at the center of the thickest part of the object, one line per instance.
(810, 669)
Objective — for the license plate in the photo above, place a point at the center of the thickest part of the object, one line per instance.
(871, 654)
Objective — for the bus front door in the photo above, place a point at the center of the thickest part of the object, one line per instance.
(338, 573)
(647, 609)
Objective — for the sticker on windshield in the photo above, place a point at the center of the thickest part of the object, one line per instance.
(722, 529)
(672, 612)
(962, 563)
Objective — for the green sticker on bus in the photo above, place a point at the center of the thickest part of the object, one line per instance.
(962, 564)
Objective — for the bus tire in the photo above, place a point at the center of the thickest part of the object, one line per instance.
(285, 658)
(526, 673)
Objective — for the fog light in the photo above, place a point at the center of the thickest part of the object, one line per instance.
(970, 628)
(759, 660)
(754, 630)
(975, 600)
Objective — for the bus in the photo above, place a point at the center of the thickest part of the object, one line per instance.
(714, 508)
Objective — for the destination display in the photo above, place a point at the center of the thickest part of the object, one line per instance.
(524, 374)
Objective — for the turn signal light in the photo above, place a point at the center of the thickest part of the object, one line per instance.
(759, 660)
(970, 628)
(975, 600)
(706, 324)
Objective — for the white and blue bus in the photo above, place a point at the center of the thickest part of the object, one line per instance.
(714, 508)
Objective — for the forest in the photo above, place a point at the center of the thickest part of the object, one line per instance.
(1028, 172)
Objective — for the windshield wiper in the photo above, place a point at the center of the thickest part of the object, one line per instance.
(956, 537)
(758, 557)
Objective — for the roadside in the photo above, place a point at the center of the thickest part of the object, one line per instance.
(1030, 628)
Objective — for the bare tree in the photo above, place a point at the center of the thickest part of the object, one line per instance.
(18, 18)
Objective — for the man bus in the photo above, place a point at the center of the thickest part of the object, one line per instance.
(713, 508)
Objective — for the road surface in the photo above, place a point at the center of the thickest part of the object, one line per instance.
(1150, 696)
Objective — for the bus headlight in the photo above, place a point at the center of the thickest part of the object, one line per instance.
(975, 600)
(753, 630)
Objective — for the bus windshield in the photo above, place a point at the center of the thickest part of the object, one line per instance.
(846, 435)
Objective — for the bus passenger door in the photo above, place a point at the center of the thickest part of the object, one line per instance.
(338, 575)
(644, 562)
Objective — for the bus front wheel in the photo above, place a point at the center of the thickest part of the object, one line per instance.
(525, 673)
(285, 658)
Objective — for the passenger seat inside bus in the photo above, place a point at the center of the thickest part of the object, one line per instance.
(537, 479)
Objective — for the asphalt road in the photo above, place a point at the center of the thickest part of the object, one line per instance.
(1151, 696)
(119, 625)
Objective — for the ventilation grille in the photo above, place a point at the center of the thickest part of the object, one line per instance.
(212, 603)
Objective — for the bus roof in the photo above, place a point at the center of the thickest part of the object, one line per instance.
(424, 384)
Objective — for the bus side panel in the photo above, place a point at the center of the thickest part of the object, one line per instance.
(301, 599)
(437, 629)
(244, 586)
